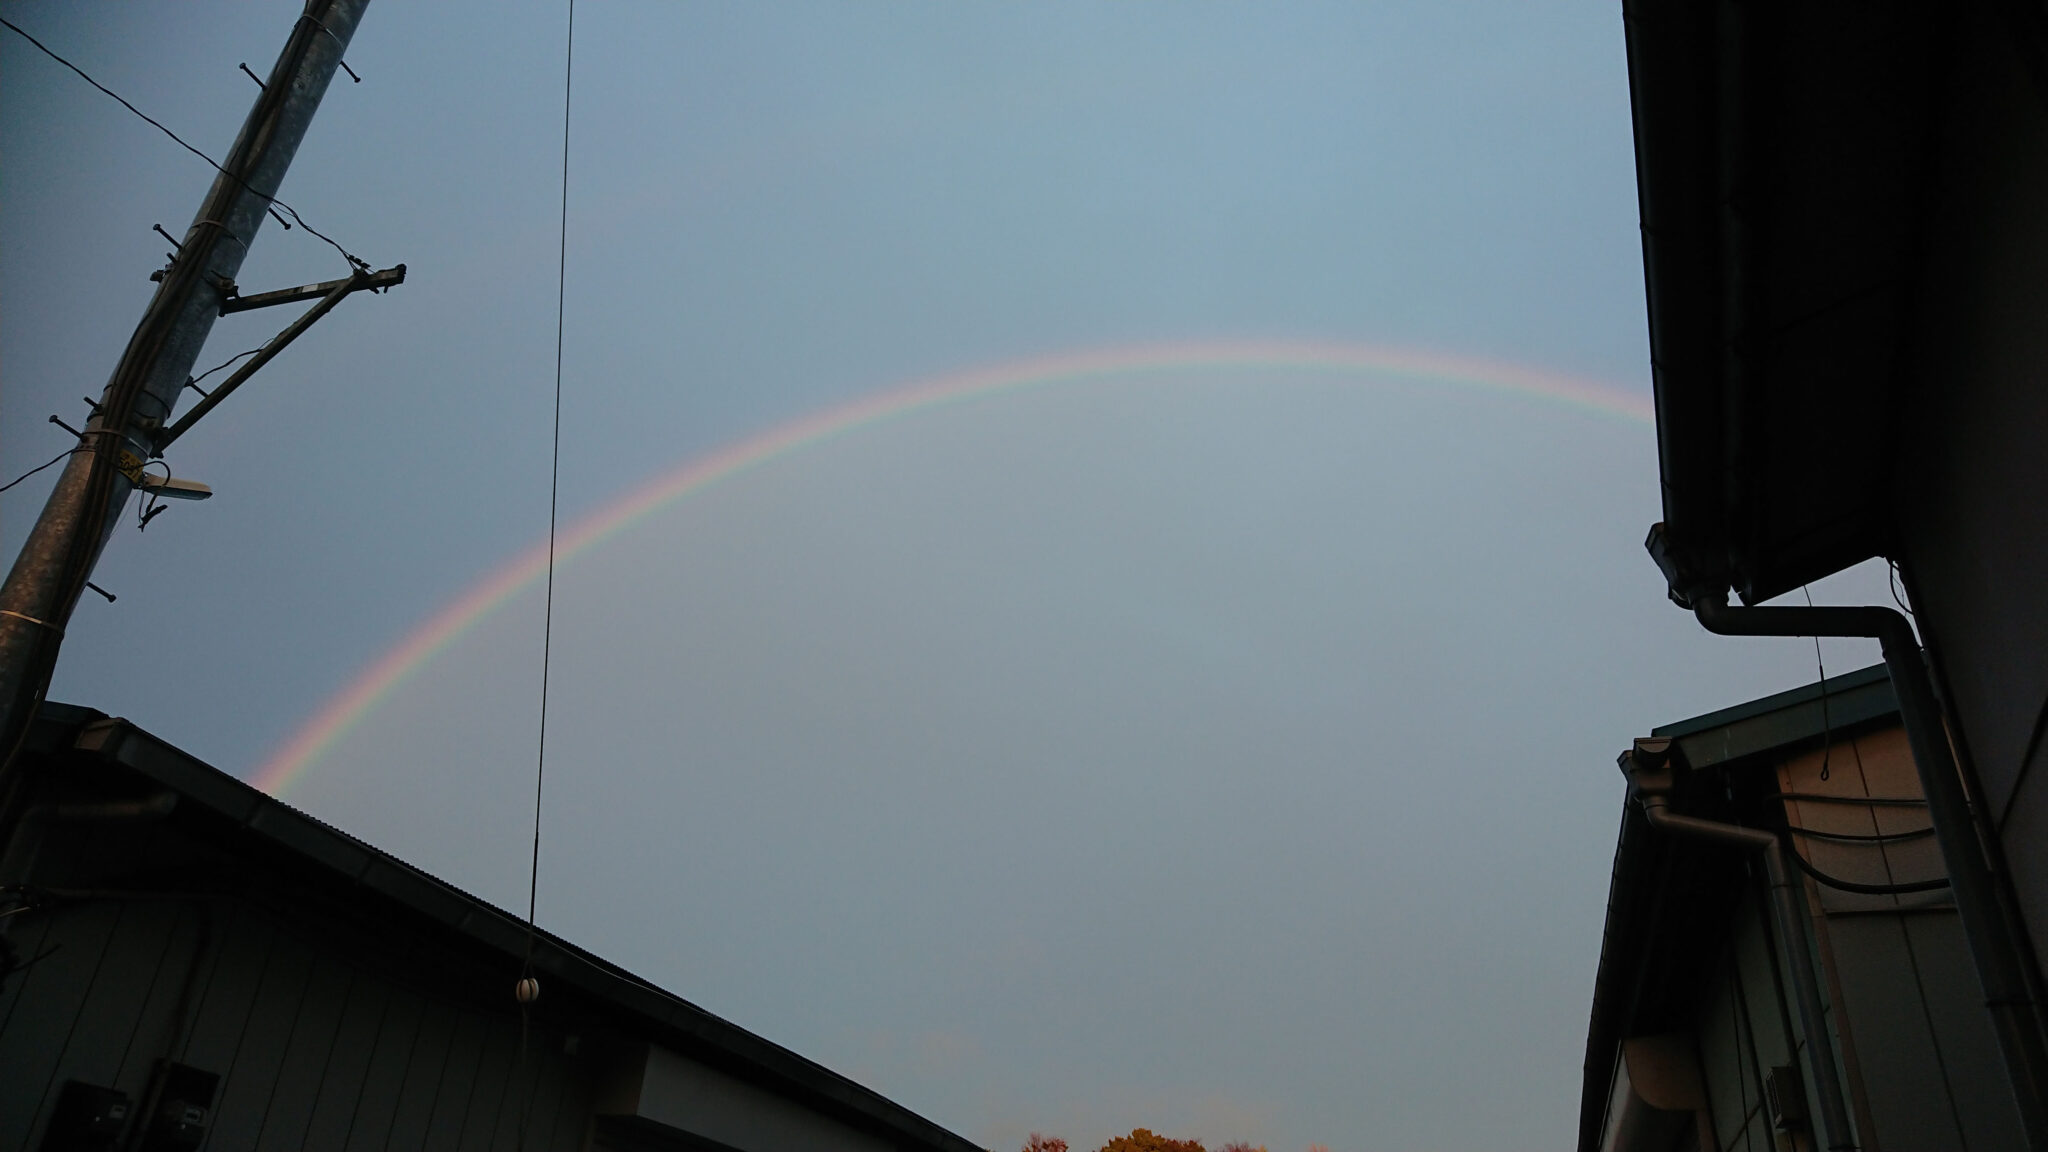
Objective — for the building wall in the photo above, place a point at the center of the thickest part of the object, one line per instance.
(1972, 486)
(1743, 1032)
(158, 913)
(314, 1052)
(1911, 1041)
(681, 1094)
(1924, 1062)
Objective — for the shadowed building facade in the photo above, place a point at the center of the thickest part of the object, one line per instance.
(1846, 265)
(192, 964)
(1697, 1040)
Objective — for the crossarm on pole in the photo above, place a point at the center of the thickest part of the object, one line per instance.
(335, 292)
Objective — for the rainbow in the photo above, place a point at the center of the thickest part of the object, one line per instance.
(347, 708)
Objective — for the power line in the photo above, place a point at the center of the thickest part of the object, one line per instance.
(36, 469)
(554, 484)
(528, 990)
(194, 382)
(158, 125)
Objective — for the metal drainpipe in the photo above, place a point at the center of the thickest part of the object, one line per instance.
(1651, 783)
(1996, 952)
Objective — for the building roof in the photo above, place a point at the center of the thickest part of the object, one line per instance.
(249, 823)
(1783, 157)
(1663, 897)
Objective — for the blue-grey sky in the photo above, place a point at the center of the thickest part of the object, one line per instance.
(1226, 753)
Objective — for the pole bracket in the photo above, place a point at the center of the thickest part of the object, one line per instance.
(374, 281)
(330, 293)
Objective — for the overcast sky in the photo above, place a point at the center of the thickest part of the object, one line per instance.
(1226, 752)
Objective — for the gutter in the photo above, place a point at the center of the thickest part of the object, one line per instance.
(1650, 778)
(1993, 946)
(1995, 950)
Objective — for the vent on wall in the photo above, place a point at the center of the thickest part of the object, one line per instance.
(1786, 1094)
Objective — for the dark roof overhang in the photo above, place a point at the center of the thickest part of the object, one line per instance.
(441, 920)
(1782, 153)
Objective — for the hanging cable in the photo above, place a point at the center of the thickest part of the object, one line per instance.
(1904, 889)
(1827, 736)
(528, 988)
(1863, 837)
(1864, 801)
(180, 141)
(36, 469)
(554, 491)
(193, 383)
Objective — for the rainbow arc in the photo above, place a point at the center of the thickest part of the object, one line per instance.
(1368, 363)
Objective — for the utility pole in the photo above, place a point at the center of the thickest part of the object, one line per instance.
(128, 427)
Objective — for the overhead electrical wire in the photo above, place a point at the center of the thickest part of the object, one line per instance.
(38, 468)
(527, 990)
(554, 492)
(180, 141)
(194, 381)
(116, 411)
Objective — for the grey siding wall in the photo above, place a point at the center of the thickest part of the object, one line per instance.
(1911, 1039)
(1743, 1033)
(1924, 1064)
(314, 1051)
(1973, 487)
(1927, 1060)
(1921, 1065)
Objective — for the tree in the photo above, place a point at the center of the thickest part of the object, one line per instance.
(1146, 1140)
(1039, 1143)
(1241, 1146)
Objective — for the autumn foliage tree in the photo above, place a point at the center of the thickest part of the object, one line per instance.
(1146, 1140)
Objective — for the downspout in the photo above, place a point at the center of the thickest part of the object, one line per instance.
(1650, 778)
(1993, 947)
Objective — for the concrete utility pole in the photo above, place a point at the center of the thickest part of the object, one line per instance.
(127, 427)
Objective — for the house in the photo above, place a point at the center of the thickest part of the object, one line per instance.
(1847, 275)
(1698, 1037)
(191, 964)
